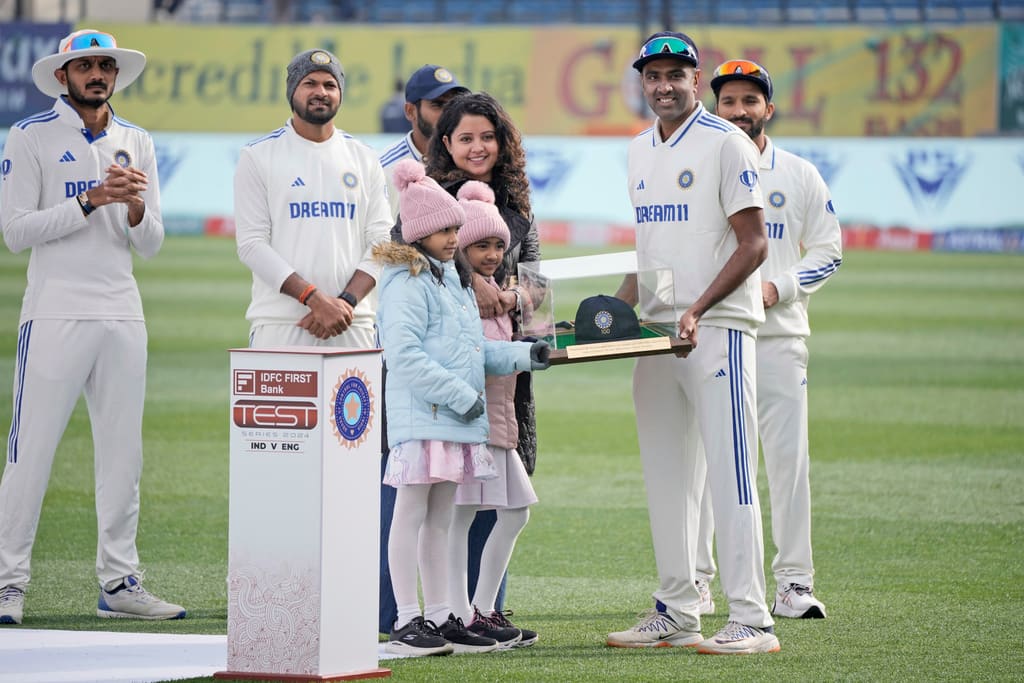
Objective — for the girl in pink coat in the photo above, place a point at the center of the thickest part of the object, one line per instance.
(483, 239)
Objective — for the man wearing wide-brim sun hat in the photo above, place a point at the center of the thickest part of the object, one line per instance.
(78, 186)
(47, 71)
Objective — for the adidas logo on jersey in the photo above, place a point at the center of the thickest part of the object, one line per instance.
(298, 182)
(720, 373)
(640, 186)
(67, 156)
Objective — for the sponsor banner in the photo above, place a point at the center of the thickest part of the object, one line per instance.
(920, 184)
(1009, 240)
(928, 80)
(1011, 79)
(21, 45)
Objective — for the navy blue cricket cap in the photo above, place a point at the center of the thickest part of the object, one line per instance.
(668, 44)
(430, 82)
(605, 318)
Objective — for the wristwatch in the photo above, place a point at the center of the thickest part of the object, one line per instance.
(83, 201)
(349, 298)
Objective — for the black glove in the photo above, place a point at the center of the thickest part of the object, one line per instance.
(540, 355)
(476, 411)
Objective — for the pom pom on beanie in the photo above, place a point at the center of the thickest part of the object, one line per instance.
(483, 219)
(423, 205)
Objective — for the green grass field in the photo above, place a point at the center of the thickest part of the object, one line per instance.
(917, 398)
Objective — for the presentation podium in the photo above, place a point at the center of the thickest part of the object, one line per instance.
(304, 514)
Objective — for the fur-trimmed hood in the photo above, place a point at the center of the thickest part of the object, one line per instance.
(398, 254)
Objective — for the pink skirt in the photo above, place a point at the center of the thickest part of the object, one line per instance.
(510, 489)
(428, 462)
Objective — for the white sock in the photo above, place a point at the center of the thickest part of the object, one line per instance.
(410, 511)
(458, 569)
(433, 550)
(496, 555)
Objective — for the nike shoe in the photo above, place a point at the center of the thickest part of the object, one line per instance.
(739, 639)
(131, 601)
(797, 602)
(655, 629)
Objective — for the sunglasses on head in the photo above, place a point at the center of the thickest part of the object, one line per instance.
(668, 46)
(90, 39)
(741, 67)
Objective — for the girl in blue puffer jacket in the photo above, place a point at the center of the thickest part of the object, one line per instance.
(437, 358)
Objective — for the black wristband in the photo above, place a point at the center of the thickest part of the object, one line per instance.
(85, 204)
(349, 298)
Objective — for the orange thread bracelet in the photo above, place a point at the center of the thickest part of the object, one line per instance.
(306, 293)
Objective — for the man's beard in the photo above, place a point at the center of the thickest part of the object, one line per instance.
(317, 118)
(81, 99)
(426, 130)
(756, 126)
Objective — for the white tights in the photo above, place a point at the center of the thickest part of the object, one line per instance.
(493, 561)
(419, 529)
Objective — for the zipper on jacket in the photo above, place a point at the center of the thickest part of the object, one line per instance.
(433, 409)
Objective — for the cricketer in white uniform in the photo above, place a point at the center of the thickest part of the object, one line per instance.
(804, 251)
(80, 189)
(426, 92)
(310, 204)
(698, 210)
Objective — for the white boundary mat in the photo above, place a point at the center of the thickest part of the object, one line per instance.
(33, 656)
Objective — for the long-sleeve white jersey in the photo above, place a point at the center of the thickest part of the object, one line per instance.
(80, 267)
(683, 191)
(402, 149)
(312, 208)
(805, 243)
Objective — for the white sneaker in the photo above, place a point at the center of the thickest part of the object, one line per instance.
(132, 601)
(738, 639)
(707, 603)
(655, 629)
(12, 605)
(797, 602)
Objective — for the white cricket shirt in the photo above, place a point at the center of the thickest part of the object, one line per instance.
(313, 208)
(805, 242)
(403, 149)
(80, 267)
(683, 191)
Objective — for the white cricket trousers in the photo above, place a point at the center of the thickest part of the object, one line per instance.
(782, 424)
(708, 397)
(782, 421)
(58, 360)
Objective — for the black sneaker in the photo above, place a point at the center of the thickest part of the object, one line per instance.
(507, 636)
(501, 619)
(418, 638)
(454, 631)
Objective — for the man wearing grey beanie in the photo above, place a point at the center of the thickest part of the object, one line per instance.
(310, 204)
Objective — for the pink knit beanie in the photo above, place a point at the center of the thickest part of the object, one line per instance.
(482, 217)
(423, 205)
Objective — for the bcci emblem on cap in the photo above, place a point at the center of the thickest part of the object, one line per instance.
(605, 318)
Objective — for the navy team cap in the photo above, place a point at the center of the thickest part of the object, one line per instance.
(430, 82)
